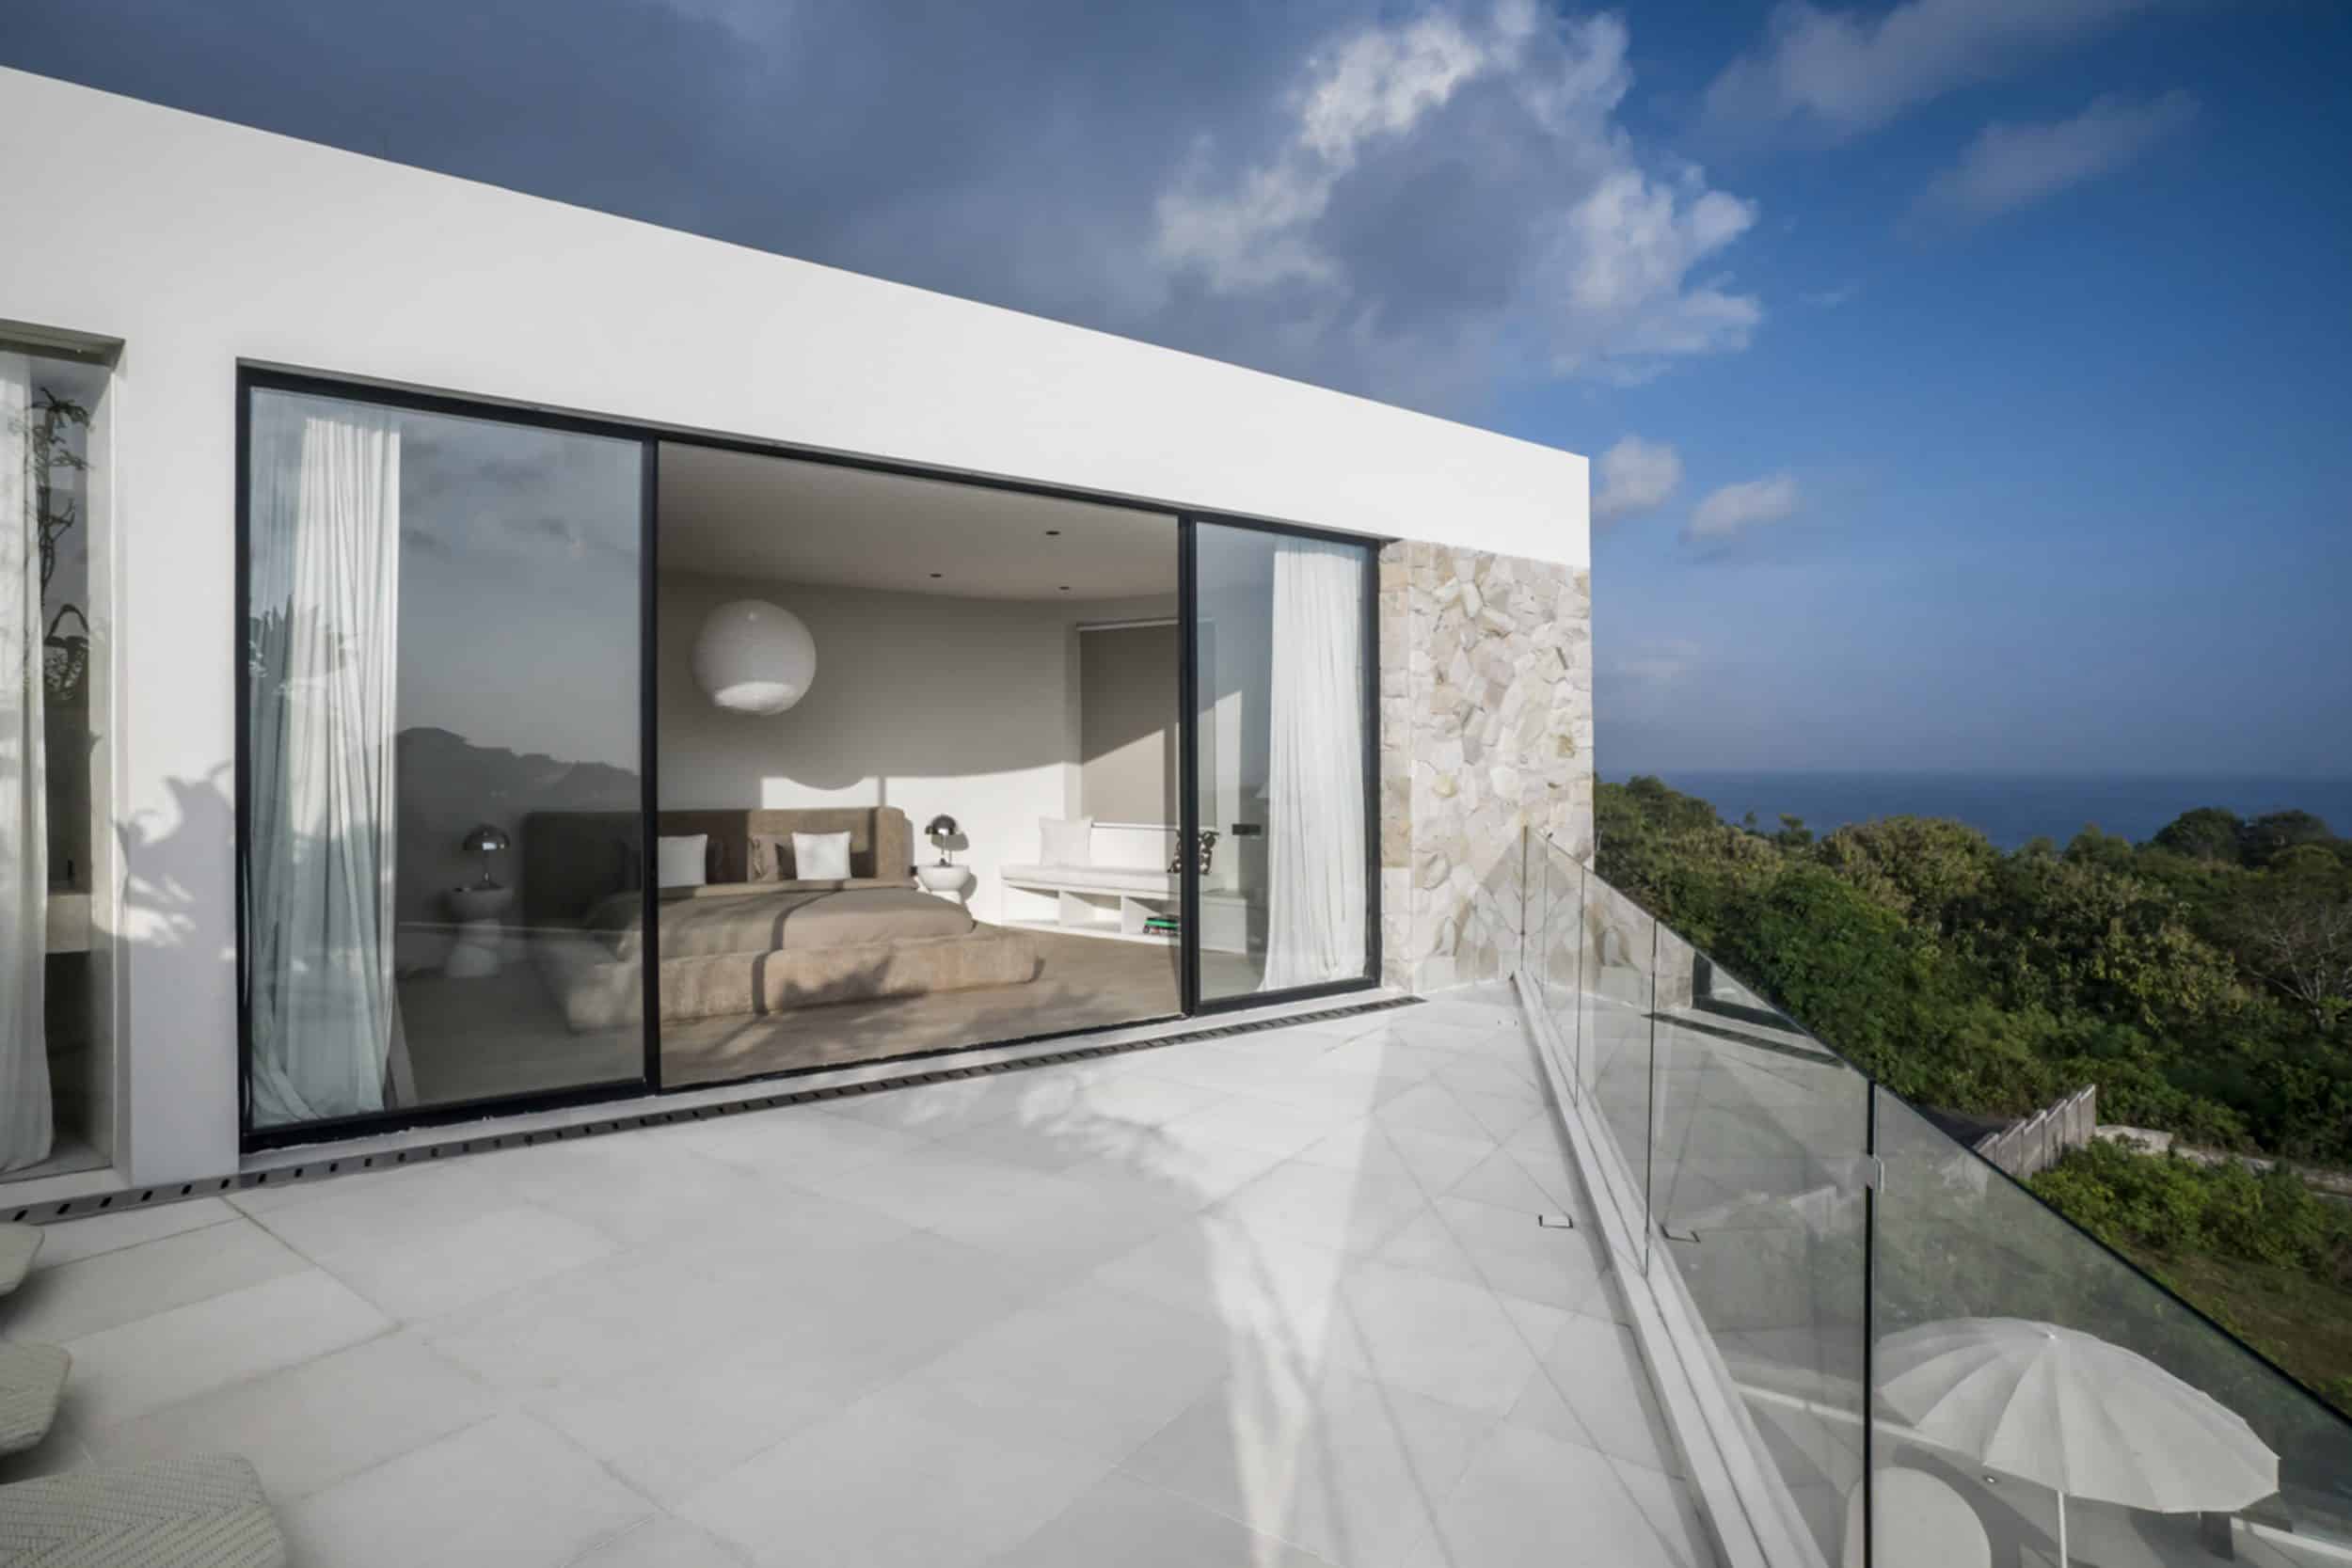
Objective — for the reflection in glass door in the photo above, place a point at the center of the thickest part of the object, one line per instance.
(56, 1061)
(1282, 761)
(442, 765)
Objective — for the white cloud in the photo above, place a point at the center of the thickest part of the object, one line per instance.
(1727, 513)
(1835, 73)
(1383, 81)
(1830, 299)
(2010, 167)
(1456, 189)
(1375, 86)
(1433, 202)
(1636, 476)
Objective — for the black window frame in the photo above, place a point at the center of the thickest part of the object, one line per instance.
(1188, 611)
(253, 377)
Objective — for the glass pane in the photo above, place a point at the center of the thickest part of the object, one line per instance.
(1757, 1191)
(1281, 711)
(2016, 1358)
(974, 698)
(1617, 944)
(56, 1089)
(1555, 937)
(442, 759)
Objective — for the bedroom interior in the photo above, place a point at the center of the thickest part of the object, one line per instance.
(919, 753)
(957, 632)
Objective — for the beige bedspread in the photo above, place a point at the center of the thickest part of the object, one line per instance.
(748, 917)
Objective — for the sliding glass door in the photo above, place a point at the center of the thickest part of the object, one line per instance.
(443, 770)
(939, 764)
(1279, 877)
(916, 744)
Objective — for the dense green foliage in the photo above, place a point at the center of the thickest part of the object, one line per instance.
(2262, 1253)
(2175, 1207)
(2203, 980)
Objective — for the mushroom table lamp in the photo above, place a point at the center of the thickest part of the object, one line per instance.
(486, 841)
(946, 878)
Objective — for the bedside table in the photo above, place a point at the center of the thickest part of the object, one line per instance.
(475, 954)
(945, 881)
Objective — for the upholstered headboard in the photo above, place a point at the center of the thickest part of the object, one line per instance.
(571, 858)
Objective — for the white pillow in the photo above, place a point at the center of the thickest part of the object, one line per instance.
(1066, 841)
(683, 861)
(820, 857)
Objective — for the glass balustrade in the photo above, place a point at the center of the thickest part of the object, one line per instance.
(1759, 1208)
(1932, 1365)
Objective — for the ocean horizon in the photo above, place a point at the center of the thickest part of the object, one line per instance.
(2011, 809)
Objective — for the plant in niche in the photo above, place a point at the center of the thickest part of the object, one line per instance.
(1206, 842)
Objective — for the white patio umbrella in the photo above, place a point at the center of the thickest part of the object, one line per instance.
(2066, 1410)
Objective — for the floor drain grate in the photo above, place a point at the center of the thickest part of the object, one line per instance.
(327, 1166)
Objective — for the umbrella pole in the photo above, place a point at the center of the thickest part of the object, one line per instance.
(2064, 1561)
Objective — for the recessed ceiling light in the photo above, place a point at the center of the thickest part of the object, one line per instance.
(1065, 588)
(1053, 534)
(935, 574)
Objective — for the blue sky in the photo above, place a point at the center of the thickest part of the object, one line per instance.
(1966, 379)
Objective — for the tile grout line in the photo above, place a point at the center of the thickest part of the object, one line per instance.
(1613, 1283)
(1543, 1372)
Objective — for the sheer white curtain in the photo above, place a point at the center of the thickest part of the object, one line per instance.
(1315, 767)
(326, 597)
(24, 1124)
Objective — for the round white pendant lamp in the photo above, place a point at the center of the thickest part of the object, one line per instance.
(752, 657)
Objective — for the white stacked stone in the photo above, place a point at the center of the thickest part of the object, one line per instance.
(1487, 728)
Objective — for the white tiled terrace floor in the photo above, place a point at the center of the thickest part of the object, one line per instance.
(1274, 1299)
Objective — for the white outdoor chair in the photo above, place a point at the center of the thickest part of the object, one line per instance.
(181, 1513)
(18, 1243)
(31, 1378)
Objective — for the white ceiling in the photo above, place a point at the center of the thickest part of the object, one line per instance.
(731, 514)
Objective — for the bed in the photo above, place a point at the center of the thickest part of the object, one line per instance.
(755, 939)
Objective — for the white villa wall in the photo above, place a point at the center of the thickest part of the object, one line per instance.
(926, 703)
(198, 245)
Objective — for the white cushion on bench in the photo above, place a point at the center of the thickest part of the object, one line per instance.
(1139, 880)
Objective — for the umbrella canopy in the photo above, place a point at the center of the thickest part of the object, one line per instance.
(2071, 1412)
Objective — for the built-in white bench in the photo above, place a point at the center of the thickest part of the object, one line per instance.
(1127, 883)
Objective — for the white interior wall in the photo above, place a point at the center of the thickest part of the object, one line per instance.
(926, 703)
(197, 245)
(1129, 675)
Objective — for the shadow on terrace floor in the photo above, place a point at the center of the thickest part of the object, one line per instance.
(1275, 1299)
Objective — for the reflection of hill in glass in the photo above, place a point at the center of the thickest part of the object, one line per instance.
(448, 784)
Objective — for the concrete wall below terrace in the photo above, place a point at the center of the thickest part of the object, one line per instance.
(1486, 729)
